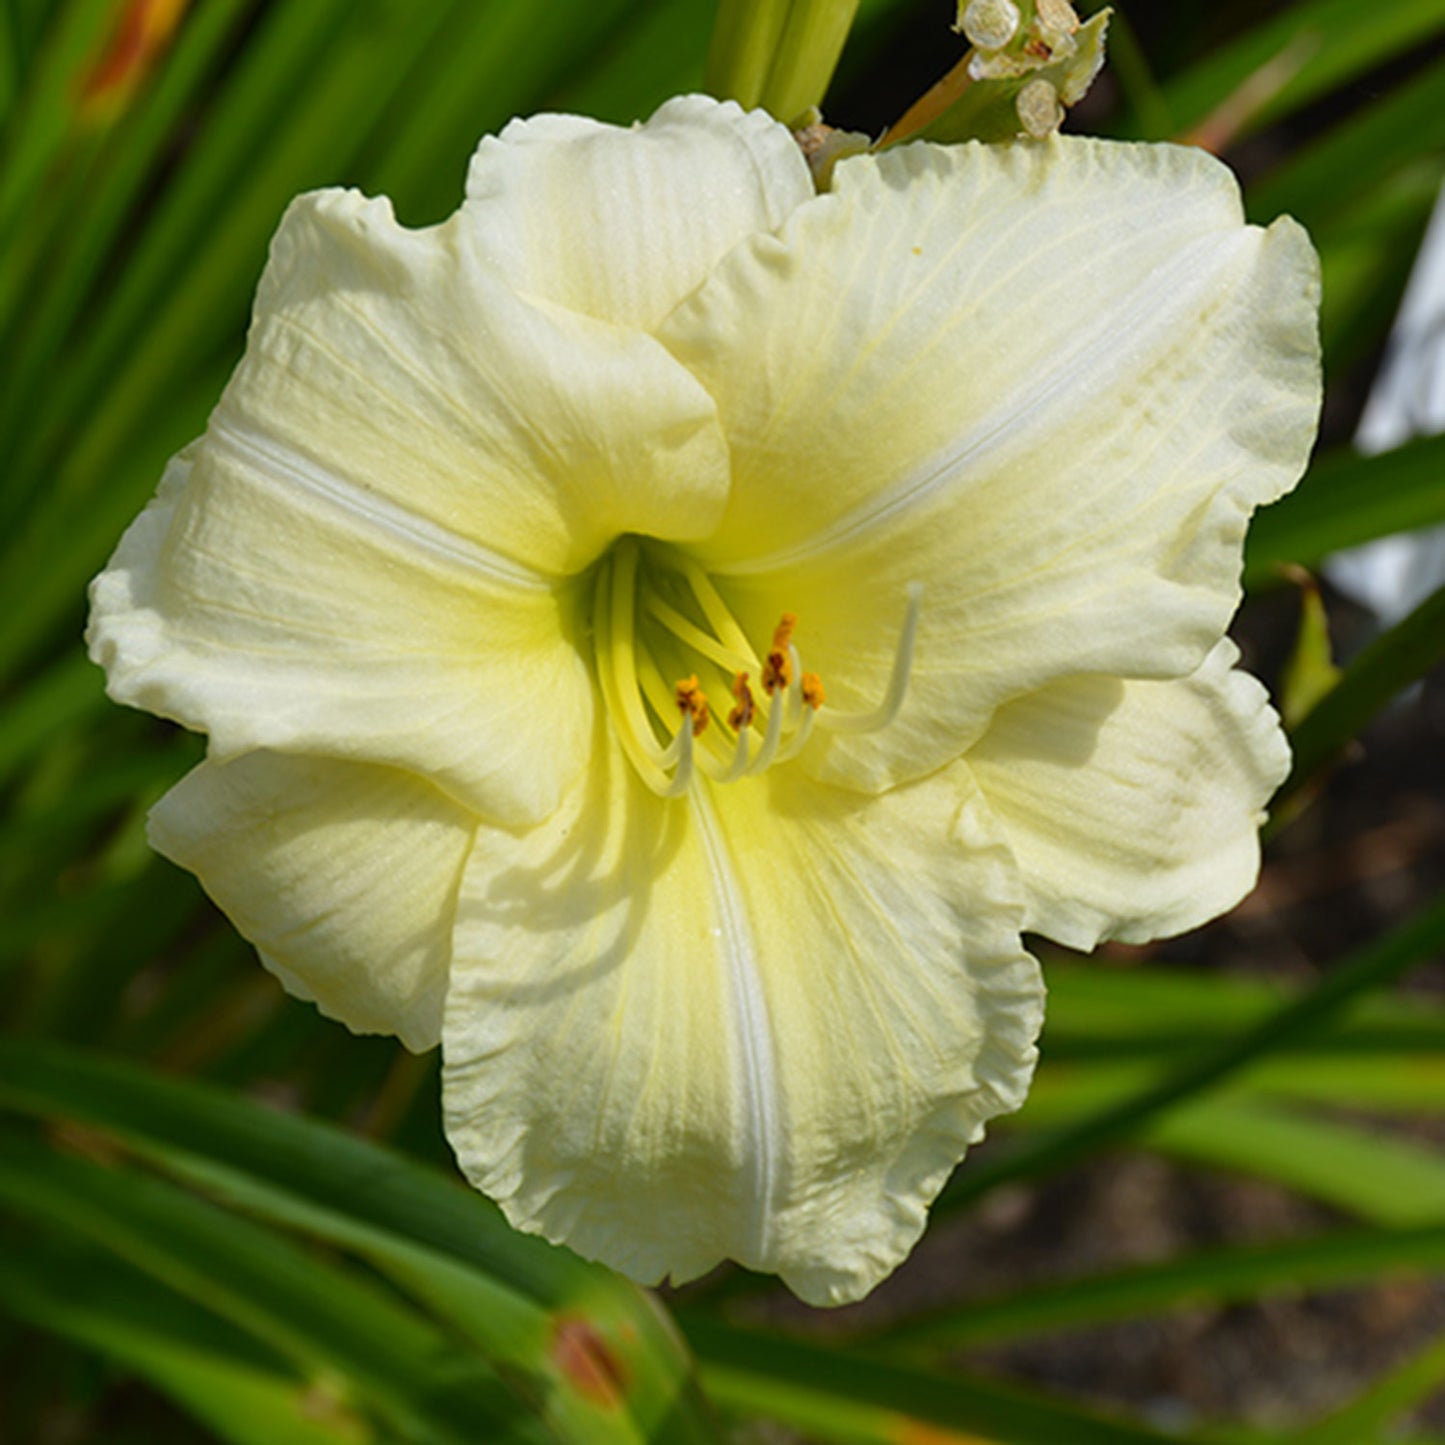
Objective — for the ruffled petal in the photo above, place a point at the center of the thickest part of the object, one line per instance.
(1048, 382)
(762, 1022)
(1134, 808)
(343, 876)
(622, 223)
(250, 602)
(404, 370)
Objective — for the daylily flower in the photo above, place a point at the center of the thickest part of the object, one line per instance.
(664, 634)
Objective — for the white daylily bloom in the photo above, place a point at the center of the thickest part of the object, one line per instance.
(492, 516)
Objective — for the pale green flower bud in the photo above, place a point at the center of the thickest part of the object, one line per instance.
(990, 24)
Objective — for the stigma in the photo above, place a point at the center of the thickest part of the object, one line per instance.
(667, 644)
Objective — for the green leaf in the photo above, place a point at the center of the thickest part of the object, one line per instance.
(1372, 967)
(244, 1393)
(1310, 671)
(1407, 122)
(603, 1363)
(843, 1395)
(1215, 1276)
(1301, 53)
(1394, 660)
(1346, 499)
(1379, 1178)
(44, 119)
(1102, 1011)
(320, 1317)
(1401, 1390)
(70, 689)
(1381, 1078)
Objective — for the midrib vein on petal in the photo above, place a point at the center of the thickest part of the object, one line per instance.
(1097, 360)
(751, 1028)
(374, 511)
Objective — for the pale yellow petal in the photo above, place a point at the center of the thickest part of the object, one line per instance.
(401, 366)
(343, 876)
(622, 223)
(255, 602)
(1134, 808)
(1048, 382)
(762, 1022)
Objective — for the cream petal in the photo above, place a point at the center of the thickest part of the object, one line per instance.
(622, 223)
(400, 365)
(344, 877)
(1049, 382)
(1134, 808)
(250, 602)
(762, 1022)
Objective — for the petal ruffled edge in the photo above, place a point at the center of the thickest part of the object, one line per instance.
(737, 1027)
(1050, 384)
(622, 223)
(343, 876)
(1134, 808)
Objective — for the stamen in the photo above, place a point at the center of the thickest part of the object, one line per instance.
(892, 701)
(693, 636)
(741, 717)
(767, 754)
(719, 616)
(641, 638)
(692, 703)
(617, 675)
(778, 670)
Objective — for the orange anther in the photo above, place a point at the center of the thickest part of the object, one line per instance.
(777, 672)
(783, 632)
(692, 703)
(812, 688)
(742, 715)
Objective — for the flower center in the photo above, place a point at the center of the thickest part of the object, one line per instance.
(667, 644)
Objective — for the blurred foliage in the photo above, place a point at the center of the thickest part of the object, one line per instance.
(270, 1277)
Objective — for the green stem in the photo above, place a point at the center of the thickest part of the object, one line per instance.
(744, 40)
(778, 54)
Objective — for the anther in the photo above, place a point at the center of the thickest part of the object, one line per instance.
(812, 689)
(778, 668)
(692, 703)
(742, 715)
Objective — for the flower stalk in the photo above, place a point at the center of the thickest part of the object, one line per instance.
(777, 54)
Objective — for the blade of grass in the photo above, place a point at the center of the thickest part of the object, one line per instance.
(659, 54)
(1100, 1011)
(71, 688)
(1398, 657)
(245, 1394)
(836, 1394)
(60, 286)
(1335, 41)
(489, 63)
(1210, 1277)
(524, 1302)
(1385, 1080)
(45, 113)
(317, 1315)
(1377, 1177)
(1371, 968)
(1346, 499)
(1406, 123)
(1378, 1407)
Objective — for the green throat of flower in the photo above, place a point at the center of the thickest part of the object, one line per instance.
(667, 643)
